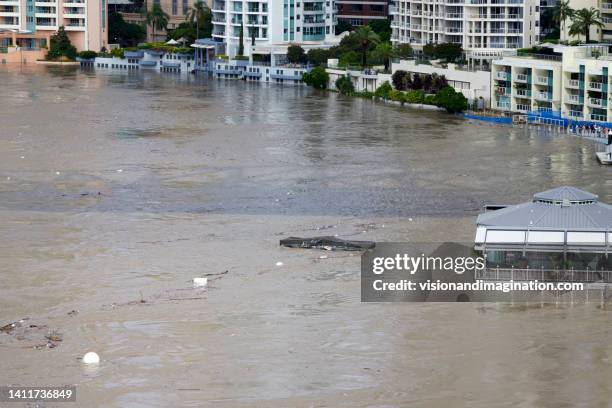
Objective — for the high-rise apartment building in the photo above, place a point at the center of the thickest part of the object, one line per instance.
(360, 12)
(272, 23)
(486, 29)
(30, 23)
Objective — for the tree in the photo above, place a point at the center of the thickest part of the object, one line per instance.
(402, 51)
(561, 12)
(344, 85)
(416, 82)
(61, 46)
(317, 56)
(125, 34)
(317, 78)
(241, 40)
(382, 28)
(427, 82)
(448, 51)
(343, 26)
(399, 80)
(438, 82)
(296, 54)
(365, 37)
(583, 20)
(450, 100)
(157, 18)
(384, 52)
(198, 14)
(429, 50)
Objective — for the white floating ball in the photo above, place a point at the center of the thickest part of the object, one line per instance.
(91, 358)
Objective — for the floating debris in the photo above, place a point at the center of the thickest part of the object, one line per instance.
(200, 282)
(327, 243)
(279, 263)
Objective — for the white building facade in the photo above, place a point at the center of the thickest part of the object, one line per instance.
(575, 82)
(485, 28)
(279, 22)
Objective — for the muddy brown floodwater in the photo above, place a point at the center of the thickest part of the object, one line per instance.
(116, 190)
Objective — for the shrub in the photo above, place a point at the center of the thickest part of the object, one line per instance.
(317, 78)
(241, 58)
(430, 100)
(344, 85)
(383, 90)
(397, 96)
(118, 53)
(88, 55)
(414, 96)
(451, 100)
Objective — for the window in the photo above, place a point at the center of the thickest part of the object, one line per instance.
(174, 7)
(185, 7)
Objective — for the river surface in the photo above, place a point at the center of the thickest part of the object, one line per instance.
(116, 190)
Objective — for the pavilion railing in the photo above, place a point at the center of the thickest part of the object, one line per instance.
(545, 275)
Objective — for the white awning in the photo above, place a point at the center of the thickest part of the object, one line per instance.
(586, 238)
(505, 237)
(546, 237)
(208, 47)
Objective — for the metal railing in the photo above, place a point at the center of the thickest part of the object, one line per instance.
(545, 275)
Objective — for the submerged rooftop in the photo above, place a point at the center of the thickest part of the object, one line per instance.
(565, 216)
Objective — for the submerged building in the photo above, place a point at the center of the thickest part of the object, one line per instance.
(563, 233)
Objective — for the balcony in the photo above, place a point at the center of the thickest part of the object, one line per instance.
(574, 99)
(524, 78)
(543, 96)
(540, 80)
(595, 85)
(596, 102)
(522, 93)
(572, 83)
(505, 76)
(523, 108)
(598, 118)
(575, 114)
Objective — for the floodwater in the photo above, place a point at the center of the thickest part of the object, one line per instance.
(116, 190)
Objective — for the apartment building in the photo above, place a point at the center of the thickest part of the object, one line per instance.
(486, 29)
(177, 10)
(275, 24)
(30, 23)
(596, 33)
(574, 81)
(360, 12)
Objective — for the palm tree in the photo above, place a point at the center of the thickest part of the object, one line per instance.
(197, 13)
(365, 37)
(562, 12)
(157, 18)
(241, 40)
(583, 20)
(384, 50)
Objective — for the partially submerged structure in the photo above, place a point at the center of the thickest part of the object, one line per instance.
(562, 234)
